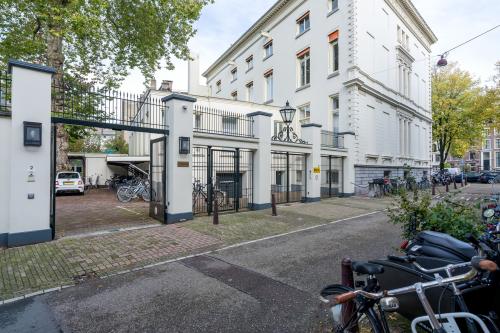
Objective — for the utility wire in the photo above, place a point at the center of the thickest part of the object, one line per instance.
(470, 40)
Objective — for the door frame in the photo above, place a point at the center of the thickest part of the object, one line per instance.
(153, 205)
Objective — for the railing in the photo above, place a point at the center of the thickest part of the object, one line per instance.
(5, 92)
(214, 121)
(79, 104)
(331, 140)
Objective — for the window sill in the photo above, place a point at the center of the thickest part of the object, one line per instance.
(269, 101)
(303, 87)
(331, 12)
(302, 33)
(269, 56)
(248, 70)
(333, 74)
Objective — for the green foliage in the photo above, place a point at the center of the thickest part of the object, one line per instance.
(102, 39)
(118, 145)
(415, 212)
(90, 143)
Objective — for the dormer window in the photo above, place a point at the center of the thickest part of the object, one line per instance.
(303, 24)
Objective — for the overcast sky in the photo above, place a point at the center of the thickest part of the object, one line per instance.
(453, 22)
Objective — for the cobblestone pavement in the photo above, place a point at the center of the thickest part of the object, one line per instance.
(98, 210)
(69, 260)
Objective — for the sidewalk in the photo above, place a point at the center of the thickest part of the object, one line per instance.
(64, 262)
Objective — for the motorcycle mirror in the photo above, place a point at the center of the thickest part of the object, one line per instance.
(488, 213)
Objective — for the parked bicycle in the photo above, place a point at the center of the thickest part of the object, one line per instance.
(140, 188)
(200, 193)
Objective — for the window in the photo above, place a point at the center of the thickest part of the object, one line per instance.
(197, 121)
(303, 24)
(305, 113)
(298, 176)
(334, 5)
(304, 60)
(249, 87)
(399, 34)
(234, 95)
(487, 144)
(472, 155)
(335, 113)
(497, 159)
(229, 124)
(218, 84)
(268, 49)
(269, 85)
(333, 39)
(497, 143)
(249, 63)
(278, 126)
(234, 74)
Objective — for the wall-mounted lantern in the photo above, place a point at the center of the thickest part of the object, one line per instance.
(32, 134)
(184, 145)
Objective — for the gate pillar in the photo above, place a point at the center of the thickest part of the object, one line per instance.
(312, 134)
(348, 164)
(179, 118)
(29, 170)
(262, 161)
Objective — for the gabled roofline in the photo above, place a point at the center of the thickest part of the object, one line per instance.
(419, 20)
(247, 34)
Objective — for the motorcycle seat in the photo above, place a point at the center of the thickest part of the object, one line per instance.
(367, 268)
(446, 242)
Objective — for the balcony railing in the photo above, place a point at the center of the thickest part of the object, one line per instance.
(214, 121)
(5, 91)
(331, 140)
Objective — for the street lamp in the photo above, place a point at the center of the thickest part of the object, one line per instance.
(286, 134)
(287, 113)
(442, 62)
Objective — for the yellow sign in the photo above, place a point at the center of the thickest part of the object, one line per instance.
(316, 170)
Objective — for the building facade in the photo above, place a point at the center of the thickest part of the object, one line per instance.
(490, 153)
(358, 68)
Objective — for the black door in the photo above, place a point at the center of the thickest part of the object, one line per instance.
(158, 175)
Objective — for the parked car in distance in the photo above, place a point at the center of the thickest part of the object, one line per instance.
(488, 177)
(472, 177)
(69, 181)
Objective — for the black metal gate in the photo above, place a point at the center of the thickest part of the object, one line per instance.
(332, 175)
(158, 176)
(288, 176)
(222, 177)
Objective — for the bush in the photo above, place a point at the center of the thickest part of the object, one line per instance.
(415, 213)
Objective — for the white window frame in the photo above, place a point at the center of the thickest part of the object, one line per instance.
(304, 113)
(304, 24)
(334, 58)
(234, 74)
(249, 62)
(268, 49)
(218, 85)
(250, 90)
(333, 5)
(304, 71)
(335, 110)
(487, 144)
(234, 95)
(269, 79)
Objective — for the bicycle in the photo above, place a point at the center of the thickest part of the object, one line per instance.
(351, 308)
(200, 192)
(128, 192)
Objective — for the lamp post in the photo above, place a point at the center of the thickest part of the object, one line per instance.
(287, 134)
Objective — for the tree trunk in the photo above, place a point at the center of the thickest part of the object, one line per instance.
(55, 59)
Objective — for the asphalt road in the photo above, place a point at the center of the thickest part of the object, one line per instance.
(266, 286)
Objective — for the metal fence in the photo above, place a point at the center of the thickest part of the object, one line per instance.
(79, 104)
(288, 176)
(5, 91)
(214, 121)
(331, 139)
(332, 176)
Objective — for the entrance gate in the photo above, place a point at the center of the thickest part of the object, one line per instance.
(222, 177)
(288, 176)
(76, 104)
(158, 175)
(331, 176)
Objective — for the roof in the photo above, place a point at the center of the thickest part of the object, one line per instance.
(280, 4)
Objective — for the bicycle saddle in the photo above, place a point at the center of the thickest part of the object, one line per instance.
(367, 268)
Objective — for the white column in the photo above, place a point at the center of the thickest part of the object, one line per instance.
(179, 117)
(262, 128)
(409, 140)
(401, 138)
(312, 134)
(29, 208)
(349, 175)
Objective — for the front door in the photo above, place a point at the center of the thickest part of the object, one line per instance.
(158, 175)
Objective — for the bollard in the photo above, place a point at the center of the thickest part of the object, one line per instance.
(216, 212)
(462, 183)
(465, 181)
(454, 183)
(348, 281)
(433, 188)
(447, 187)
(273, 204)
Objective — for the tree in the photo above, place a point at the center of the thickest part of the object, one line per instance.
(461, 109)
(90, 143)
(117, 144)
(97, 40)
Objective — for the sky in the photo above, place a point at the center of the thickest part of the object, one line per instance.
(453, 22)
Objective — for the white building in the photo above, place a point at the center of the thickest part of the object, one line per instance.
(360, 67)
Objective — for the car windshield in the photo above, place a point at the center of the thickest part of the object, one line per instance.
(68, 175)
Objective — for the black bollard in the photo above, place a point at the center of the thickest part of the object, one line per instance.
(454, 183)
(348, 280)
(216, 213)
(447, 187)
(273, 204)
(433, 188)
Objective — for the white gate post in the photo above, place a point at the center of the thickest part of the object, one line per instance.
(312, 134)
(261, 198)
(29, 207)
(179, 118)
(348, 165)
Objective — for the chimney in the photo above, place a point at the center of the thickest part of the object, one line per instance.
(166, 85)
(152, 84)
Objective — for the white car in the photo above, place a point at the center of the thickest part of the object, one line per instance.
(69, 181)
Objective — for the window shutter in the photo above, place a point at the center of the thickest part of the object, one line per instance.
(268, 73)
(333, 36)
(303, 52)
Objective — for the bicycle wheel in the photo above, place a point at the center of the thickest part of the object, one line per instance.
(345, 318)
(146, 195)
(123, 194)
